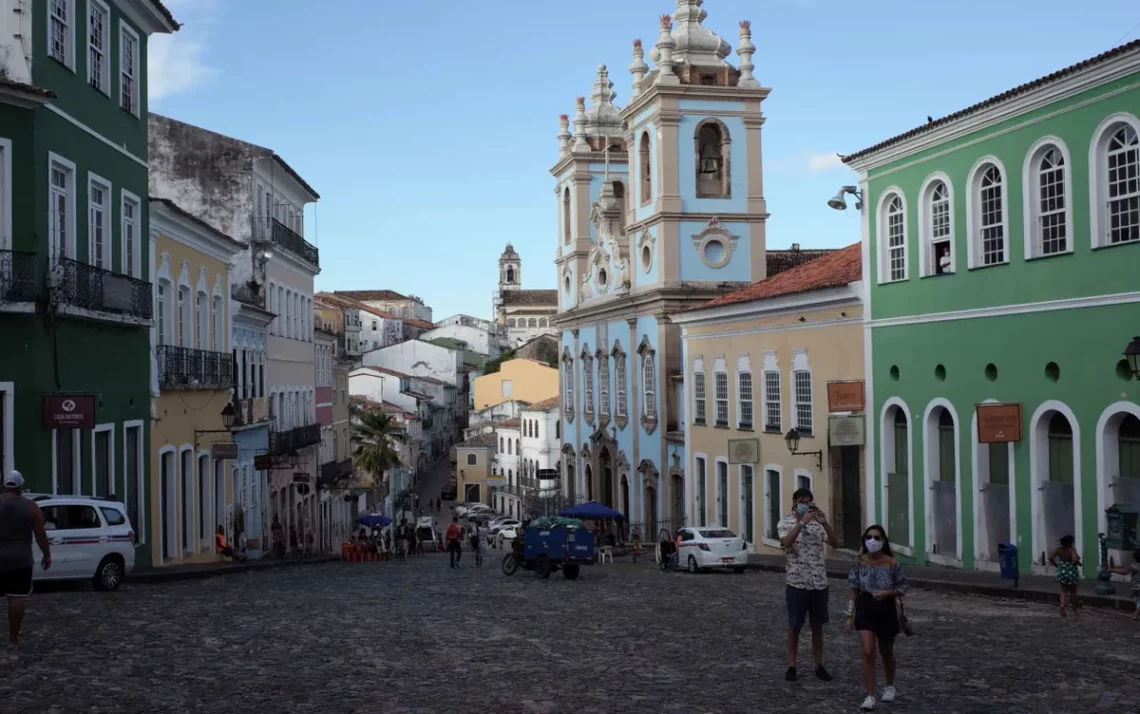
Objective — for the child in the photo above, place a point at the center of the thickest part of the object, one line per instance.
(1134, 569)
(1067, 562)
(636, 546)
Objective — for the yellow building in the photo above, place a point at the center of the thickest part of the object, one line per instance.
(766, 365)
(474, 458)
(520, 379)
(191, 386)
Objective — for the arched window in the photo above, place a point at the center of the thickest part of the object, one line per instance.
(162, 314)
(892, 239)
(510, 275)
(202, 334)
(558, 430)
(219, 325)
(543, 322)
(987, 212)
(185, 316)
(532, 322)
(566, 216)
(936, 215)
(588, 389)
(1117, 165)
(619, 190)
(510, 322)
(604, 384)
(501, 445)
(645, 166)
(711, 147)
(649, 386)
(1048, 195)
(518, 449)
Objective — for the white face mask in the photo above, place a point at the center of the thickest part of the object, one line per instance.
(873, 546)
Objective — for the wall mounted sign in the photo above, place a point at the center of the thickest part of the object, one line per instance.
(846, 430)
(999, 422)
(69, 412)
(845, 396)
(743, 451)
(263, 462)
(299, 477)
(224, 450)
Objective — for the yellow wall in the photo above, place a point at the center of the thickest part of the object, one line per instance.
(530, 381)
(178, 413)
(833, 341)
(473, 474)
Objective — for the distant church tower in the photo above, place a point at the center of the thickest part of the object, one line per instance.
(510, 270)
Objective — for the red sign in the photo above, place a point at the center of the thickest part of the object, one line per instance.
(69, 412)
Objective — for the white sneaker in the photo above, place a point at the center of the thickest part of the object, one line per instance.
(868, 704)
(889, 694)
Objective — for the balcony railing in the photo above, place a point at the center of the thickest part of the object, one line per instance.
(273, 231)
(91, 288)
(17, 276)
(248, 412)
(292, 440)
(249, 293)
(334, 471)
(187, 368)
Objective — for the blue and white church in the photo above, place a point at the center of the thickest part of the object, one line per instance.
(660, 208)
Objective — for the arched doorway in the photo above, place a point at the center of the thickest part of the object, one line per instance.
(1118, 457)
(624, 508)
(995, 502)
(895, 457)
(650, 510)
(1055, 459)
(940, 443)
(589, 483)
(606, 464)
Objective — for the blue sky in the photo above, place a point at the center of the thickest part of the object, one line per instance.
(429, 127)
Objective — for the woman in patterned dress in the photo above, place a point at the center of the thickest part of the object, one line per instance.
(876, 582)
(1067, 561)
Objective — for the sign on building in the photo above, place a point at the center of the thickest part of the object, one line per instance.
(743, 451)
(999, 422)
(69, 412)
(300, 477)
(264, 462)
(224, 450)
(845, 396)
(846, 430)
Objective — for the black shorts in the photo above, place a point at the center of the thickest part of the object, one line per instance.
(16, 583)
(803, 604)
(878, 616)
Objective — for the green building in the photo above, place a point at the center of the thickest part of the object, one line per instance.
(75, 292)
(1002, 264)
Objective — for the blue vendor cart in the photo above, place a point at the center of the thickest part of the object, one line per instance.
(550, 544)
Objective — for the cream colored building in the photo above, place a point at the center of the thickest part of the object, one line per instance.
(518, 379)
(782, 355)
(474, 458)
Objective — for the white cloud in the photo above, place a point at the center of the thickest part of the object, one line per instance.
(805, 163)
(176, 63)
(824, 162)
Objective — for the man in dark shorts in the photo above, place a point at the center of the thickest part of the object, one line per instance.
(803, 534)
(20, 519)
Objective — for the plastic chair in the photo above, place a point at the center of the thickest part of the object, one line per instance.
(606, 551)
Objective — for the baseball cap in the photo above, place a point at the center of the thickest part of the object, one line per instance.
(14, 479)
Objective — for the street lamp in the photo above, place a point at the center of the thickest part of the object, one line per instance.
(1132, 354)
(792, 439)
(229, 417)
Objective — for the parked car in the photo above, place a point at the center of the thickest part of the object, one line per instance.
(712, 547)
(91, 539)
(504, 523)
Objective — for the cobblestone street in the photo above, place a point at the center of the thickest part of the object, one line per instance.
(419, 637)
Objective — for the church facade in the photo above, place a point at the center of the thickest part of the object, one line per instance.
(660, 208)
(524, 314)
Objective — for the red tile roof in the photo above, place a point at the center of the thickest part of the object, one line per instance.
(510, 423)
(422, 324)
(836, 269)
(371, 294)
(530, 297)
(334, 300)
(544, 405)
(998, 99)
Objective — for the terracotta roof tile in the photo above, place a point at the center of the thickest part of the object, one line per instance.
(544, 405)
(479, 441)
(998, 99)
(836, 269)
(371, 294)
(530, 297)
(422, 324)
(510, 423)
(334, 300)
(780, 260)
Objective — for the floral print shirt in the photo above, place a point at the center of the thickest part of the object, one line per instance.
(806, 568)
(877, 578)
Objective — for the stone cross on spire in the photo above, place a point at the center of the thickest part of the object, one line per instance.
(638, 68)
(746, 49)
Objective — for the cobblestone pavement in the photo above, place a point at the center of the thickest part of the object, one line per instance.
(419, 637)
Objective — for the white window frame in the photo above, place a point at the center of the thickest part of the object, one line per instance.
(103, 81)
(927, 264)
(771, 366)
(1031, 197)
(131, 265)
(744, 367)
(604, 406)
(69, 42)
(769, 499)
(882, 229)
(974, 212)
(218, 321)
(720, 378)
(184, 307)
(568, 384)
(56, 161)
(587, 383)
(8, 403)
(720, 497)
(99, 429)
(96, 181)
(621, 384)
(648, 387)
(805, 474)
(140, 495)
(201, 319)
(164, 320)
(700, 393)
(76, 461)
(801, 365)
(136, 75)
(1098, 178)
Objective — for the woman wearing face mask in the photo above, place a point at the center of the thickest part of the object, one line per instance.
(876, 581)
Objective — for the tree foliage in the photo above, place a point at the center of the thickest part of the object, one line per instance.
(493, 365)
(374, 438)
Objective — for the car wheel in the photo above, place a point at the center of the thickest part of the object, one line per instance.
(110, 574)
(693, 565)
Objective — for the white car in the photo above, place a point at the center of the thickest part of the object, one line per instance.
(91, 539)
(712, 547)
(504, 523)
(463, 509)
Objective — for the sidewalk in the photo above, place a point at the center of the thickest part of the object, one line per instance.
(208, 570)
(1033, 588)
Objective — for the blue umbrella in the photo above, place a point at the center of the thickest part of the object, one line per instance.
(591, 510)
(373, 520)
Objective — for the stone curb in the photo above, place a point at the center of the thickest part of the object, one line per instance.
(152, 576)
(1007, 591)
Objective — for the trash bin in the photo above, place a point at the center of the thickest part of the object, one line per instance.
(1007, 562)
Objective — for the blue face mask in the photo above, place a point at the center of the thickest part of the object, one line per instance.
(802, 508)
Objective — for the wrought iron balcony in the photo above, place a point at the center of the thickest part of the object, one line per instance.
(91, 288)
(286, 442)
(17, 276)
(270, 230)
(187, 368)
(254, 410)
(334, 471)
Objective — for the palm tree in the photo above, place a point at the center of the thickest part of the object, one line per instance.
(374, 435)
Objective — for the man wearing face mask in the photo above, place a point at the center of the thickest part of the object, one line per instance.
(803, 534)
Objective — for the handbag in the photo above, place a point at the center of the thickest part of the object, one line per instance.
(904, 623)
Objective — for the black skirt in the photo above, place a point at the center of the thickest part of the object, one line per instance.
(878, 616)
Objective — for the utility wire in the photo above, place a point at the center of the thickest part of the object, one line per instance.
(1126, 34)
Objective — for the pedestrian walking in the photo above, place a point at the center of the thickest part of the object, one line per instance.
(1067, 561)
(478, 547)
(804, 533)
(1134, 571)
(438, 504)
(20, 520)
(221, 547)
(876, 582)
(413, 541)
(636, 546)
(402, 539)
(454, 533)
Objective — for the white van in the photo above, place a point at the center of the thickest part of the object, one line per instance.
(91, 539)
